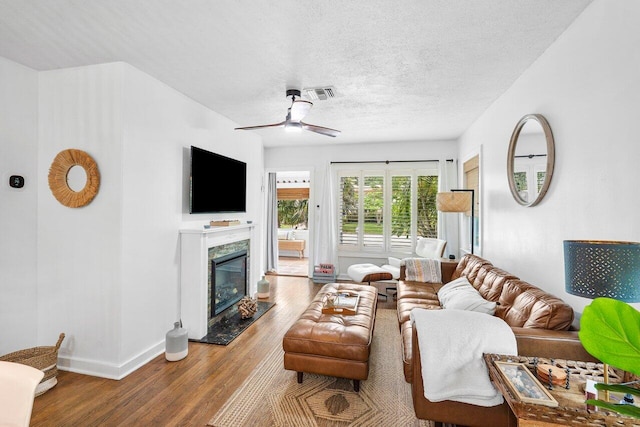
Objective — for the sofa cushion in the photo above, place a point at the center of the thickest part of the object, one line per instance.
(405, 305)
(490, 280)
(459, 294)
(418, 290)
(524, 305)
(469, 267)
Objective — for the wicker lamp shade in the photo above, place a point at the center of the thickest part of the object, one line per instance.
(458, 200)
(603, 269)
(454, 202)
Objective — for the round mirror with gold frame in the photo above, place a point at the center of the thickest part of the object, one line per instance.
(63, 178)
(530, 159)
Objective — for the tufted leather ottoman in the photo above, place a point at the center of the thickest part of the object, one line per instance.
(333, 344)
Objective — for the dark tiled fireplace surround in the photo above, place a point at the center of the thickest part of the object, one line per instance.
(230, 290)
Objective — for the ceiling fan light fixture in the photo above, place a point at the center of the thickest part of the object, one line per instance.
(293, 127)
(293, 122)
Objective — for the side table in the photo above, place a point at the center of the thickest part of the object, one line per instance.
(571, 409)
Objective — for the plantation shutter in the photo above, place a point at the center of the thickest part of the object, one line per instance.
(373, 208)
(348, 217)
(401, 212)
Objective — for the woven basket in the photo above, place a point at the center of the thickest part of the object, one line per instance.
(43, 358)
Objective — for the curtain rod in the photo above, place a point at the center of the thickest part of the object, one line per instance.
(392, 161)
(530, 156)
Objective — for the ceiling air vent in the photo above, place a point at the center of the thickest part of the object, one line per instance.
(320, 93)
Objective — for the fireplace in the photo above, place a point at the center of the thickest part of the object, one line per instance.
(198, 248)
(228, 281)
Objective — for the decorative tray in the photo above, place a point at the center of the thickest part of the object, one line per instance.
(340, 303)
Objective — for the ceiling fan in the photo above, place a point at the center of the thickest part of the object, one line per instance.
(298, 110)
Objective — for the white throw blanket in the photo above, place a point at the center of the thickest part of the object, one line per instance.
(451, 346)
(422, 270)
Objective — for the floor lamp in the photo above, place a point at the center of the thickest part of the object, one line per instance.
(597, 268)
(458, 200)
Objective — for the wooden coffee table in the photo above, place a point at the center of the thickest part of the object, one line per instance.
(571, 409)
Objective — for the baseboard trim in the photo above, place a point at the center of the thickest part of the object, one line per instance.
(109, 370)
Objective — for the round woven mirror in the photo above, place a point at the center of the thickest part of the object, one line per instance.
(59, 174)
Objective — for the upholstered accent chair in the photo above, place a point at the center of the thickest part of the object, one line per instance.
(428, 247)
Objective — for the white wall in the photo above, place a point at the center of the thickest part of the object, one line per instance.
(160, 126)
(586, 85)
(18, 207)
(79, 271)
(105, 274)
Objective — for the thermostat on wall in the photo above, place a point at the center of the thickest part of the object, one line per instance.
(16, 181)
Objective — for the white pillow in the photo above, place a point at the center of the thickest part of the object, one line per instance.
(460, 294)
(282, 235)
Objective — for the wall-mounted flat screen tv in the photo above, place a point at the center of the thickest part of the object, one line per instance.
(217, 183)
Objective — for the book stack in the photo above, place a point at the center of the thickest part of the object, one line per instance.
(224, 223)
(324, 273)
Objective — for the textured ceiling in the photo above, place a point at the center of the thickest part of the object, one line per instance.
(410, 70)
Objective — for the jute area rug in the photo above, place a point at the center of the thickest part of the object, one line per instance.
(271, 395)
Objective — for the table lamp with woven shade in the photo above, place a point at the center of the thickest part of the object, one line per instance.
(461, 200)
(602, 268)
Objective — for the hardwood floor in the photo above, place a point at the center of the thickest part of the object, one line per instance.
(291, 266)
(184, 393)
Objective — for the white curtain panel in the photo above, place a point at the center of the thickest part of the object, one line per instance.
(325, 250)
(272, 223)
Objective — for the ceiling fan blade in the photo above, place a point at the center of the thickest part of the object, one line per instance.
(299, 109)
(274, 125)
(321, 130)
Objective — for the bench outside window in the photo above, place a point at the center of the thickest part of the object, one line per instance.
(292, 245)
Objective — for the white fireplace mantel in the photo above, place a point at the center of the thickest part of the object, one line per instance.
(194, 249)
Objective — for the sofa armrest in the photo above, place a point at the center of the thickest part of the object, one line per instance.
(551, 344)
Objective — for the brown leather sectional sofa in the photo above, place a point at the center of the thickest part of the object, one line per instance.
(540, 321)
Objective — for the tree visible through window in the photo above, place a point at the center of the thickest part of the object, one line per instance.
(293, 213)
(387, 210)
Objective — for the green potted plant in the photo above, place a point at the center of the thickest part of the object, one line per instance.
(610, 331)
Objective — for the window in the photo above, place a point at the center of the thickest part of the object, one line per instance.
(386, 209)
(529, 177)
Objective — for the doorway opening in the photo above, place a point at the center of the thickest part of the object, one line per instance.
(293, 223)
